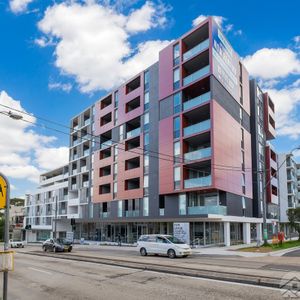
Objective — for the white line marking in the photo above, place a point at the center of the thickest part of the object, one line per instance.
(38, 270)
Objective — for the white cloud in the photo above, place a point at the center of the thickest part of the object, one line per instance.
(66, 87)
(51, 158)
(219, 20)
(270, 63)
(297, 39)
(44, 42)
(23, 151)
(19, 6)
(92, 41)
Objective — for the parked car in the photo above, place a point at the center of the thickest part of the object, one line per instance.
(16, 244)
(57, 245)
(163, 245)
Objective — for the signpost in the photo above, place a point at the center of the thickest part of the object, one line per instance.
(5, 203)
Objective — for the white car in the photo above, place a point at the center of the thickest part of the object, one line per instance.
(16, 244)
(163, 245)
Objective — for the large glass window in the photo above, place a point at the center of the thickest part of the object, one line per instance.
(146, 141)
(146, 101)
(146, 185)
(176, 55)
(176, 129)
(177, 103)
(176, 79)
(146, 163)
(120, 209)
(146, 80)
(182, 204)
(146, 121)
(177, 178)
(121, 132)
(145, 206)
(116, 98)
(177, 152)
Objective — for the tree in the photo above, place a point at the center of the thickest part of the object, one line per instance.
(294, 219)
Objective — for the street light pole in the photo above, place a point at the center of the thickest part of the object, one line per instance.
(265, 229)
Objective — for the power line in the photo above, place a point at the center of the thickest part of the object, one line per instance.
(174, 158)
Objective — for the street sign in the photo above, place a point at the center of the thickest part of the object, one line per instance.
(3, 190)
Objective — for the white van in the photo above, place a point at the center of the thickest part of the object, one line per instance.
(163, 245)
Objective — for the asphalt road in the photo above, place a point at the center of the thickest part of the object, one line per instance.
(38, 277)
(295, 253)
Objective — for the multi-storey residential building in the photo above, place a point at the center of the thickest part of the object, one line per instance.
(288, 188)
(47, 204)
(264, 157)
(16, 219)
(175, 146)
(298, 184)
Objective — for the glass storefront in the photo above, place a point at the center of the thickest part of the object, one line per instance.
(207, 233)
(236, 233)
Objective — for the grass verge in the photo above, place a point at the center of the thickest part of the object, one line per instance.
(271, 248)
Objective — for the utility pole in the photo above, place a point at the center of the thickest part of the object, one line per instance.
(5, 188)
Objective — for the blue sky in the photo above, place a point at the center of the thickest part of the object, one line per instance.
(54, 61)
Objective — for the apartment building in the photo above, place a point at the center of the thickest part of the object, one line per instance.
(289, 176)
(47, 204)
(264, 157)
(174, 146)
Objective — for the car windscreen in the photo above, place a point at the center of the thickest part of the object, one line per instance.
(175, 240)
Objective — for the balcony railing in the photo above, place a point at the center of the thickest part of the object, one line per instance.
(196, 75)
(202, 126)
(87, 122)
(161, 211)
(106, 144)
(83, 169)
(74, 186)
(198, 154)
(85, 184)
(86, 152)
(104, 215)
(132, 213)
(197, 182)
(133, 133)
(197, 49)
(196, 101)
(205, 210)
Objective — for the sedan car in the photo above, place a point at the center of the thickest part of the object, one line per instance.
(57, 245)
(163, 245)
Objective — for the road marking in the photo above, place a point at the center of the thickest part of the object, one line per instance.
(38, 270)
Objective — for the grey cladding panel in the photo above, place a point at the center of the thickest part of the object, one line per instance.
(166, 108)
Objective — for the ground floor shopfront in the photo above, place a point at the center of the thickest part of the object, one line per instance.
(201, 233)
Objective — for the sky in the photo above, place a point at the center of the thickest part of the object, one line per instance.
(59, 57)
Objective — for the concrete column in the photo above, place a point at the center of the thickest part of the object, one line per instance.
(259, 232)
(227, 234)
(246, 233)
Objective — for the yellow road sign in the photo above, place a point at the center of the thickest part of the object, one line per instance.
(3, 190)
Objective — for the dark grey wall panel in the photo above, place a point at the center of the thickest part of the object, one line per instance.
(166, 108)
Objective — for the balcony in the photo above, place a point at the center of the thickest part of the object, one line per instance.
(197, 182)
(85, 184)
(104, 215)
(132, 213)
(73, 202)
(74, 186)
(83, 169)
(198, 154)
(195, 50)
(206, 210)
(134, 132)
(195, 128)
(87, 122)
(196, 75)
(106, 144)
(196, 101)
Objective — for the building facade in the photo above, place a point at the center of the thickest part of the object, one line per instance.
(289, 175)
(47, 204)
(181, 142)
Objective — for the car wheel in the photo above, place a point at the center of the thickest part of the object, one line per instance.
(44, 249)
(171, 253)
(54, 249)
(143, 252)
(69, 250)
(23, 246)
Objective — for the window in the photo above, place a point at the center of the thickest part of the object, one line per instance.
(177, 152)
(182, 204)
(146, 80)
(176, 54)
(145, 206)
(176, 79)
(115, 189)
(116, 98)
(242, 139)
(146, 141)
(121, 132)
(243, 183)
(241, 94)
(146, 185)
(115, 170)
(243, 160)
(146, 121)
(177, 178)
(120, 209)
(146, 101)
(177, 103)
(176, 130)
(116, 152)
(146, 163)
(241, 115)
(116, 117)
